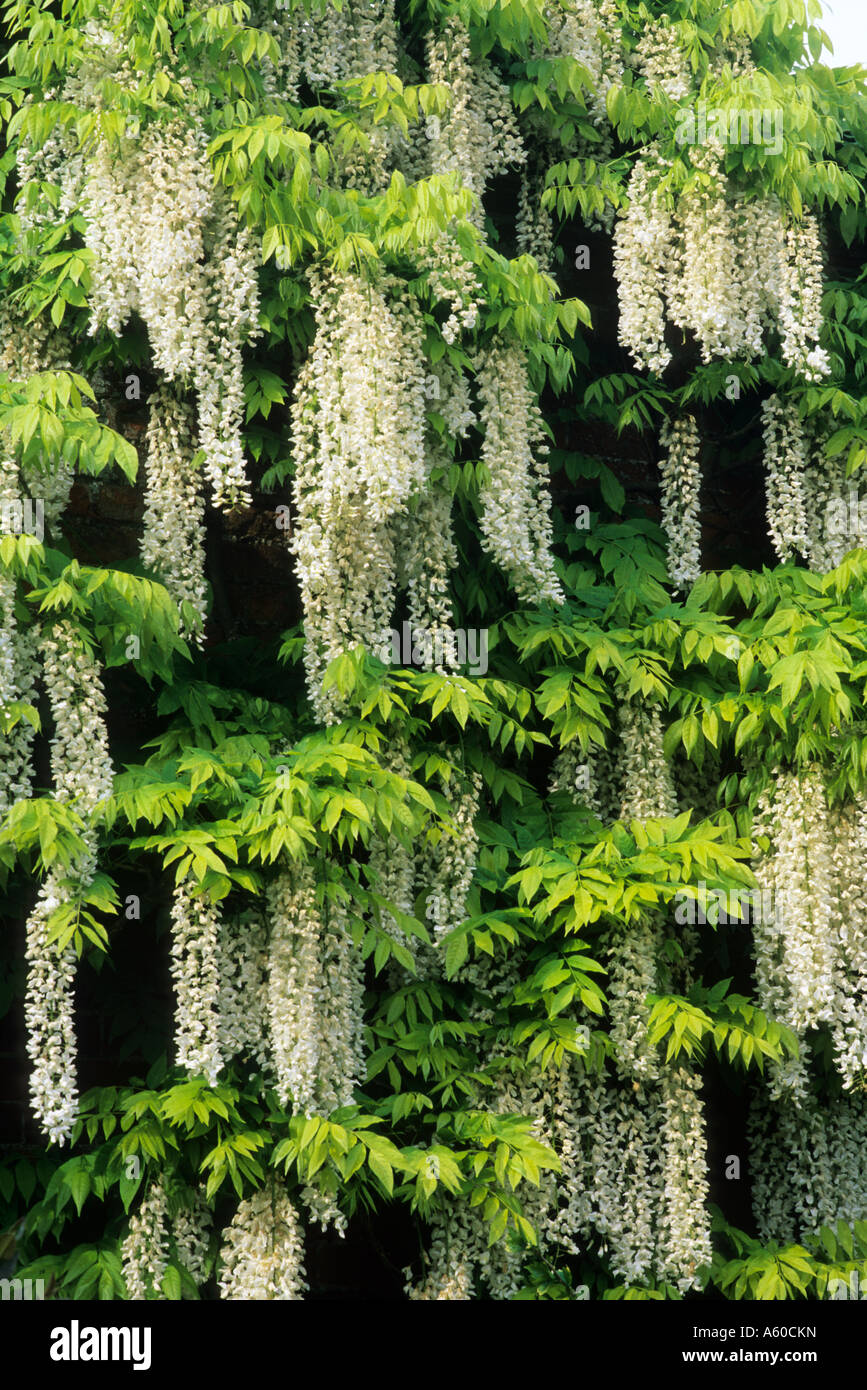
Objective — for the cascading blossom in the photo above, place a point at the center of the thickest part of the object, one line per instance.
(195, 965)
(712, 263)
(448, 858)
(478, 137)
(848, 835)
(807, 1162)
(810, 937)
(145, 1249)
(166, 244)
(242, 1016)
(785, 460)
(449, 1260)
(424, 543)
(685, 1235)
(643, 243)
(452, 278)
(515, 519)
(358, 423)
(662, 60)
(315, 996)
(83, 776)
(173, 543)
(19, 670)
(263, 1249)
(795, 936)
(680, 472)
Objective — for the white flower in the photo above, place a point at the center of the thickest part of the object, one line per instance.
(263, 1249)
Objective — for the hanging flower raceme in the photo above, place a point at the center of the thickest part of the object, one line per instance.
(800, 293)
(647, 786)
(170, 1224)
(586, 776)
(427, 555)
(849, 1027)
(357, 37)
(242, 1015)
(479, 136)
(173, 543)
(166, 244)
(834, 524)
(448, 860)
(712, 289)
(315, 995)
(807, 1163)
(633, 950)
(681, 483)
(423, 536)
(786, 461)
(811, 937)
(145, 1249)
(449, 1260)
(625, 1209)
(710, 262)
(796, 945)
(195, 965)
(49, 1016)
(82, 772)
(19, 666)
(515, 519)
(684, 1227)
(358, 422)
(662, 60)
(263, 1249)
(452, 278)
(589, 32)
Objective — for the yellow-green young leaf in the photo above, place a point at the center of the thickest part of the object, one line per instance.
(381, 1170)
(498, 1225)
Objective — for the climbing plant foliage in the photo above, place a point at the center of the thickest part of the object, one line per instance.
(506, 909)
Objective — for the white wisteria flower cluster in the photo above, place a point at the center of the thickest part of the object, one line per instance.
(680, 472)
(809, 497)
(807, 1164)
(633, 949)
(358, 439)
(662, 61)
(195, 968)
(170, 1224)
(811, 936)
(422, 533)
(589, 31)
(515, 518)
(173, 541)
(786, 459)
(262, 1255)
(478, 137)
(645, 1171)
(448, 858)
(83, 776)
(709, 261)
(426, 556)
(449, 1260)
(452, 278)
(315, 995)
(19, 670)
(145, 1248)
(242, 1013)
(167, 244)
